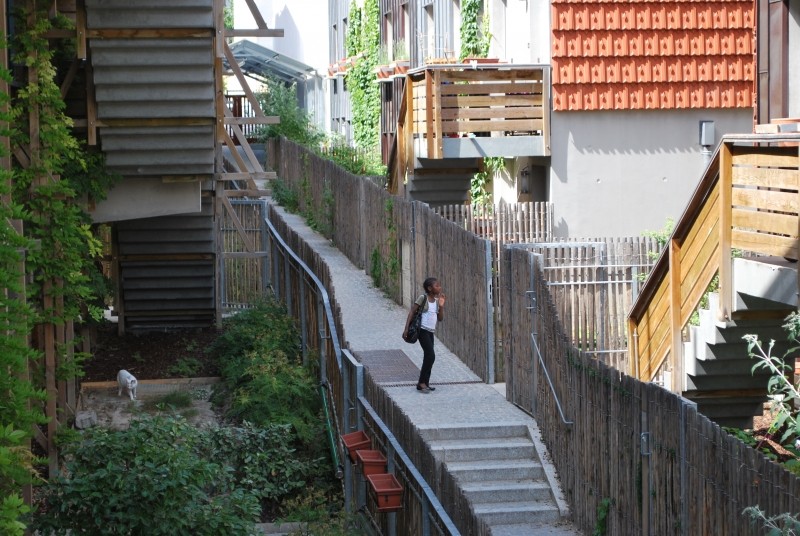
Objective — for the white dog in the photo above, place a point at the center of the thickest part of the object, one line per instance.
(127, 382)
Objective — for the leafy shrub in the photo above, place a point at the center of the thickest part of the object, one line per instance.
(150, 479)
(186, 367)
(263, 379)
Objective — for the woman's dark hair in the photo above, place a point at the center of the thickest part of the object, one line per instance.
(428, 283)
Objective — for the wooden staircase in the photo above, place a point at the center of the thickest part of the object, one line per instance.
(747, 201)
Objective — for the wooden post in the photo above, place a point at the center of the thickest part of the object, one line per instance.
(676, 350)
(725, 219)
(429, 111)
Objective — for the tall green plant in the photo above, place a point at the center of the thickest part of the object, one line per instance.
(783, 392)
(479, 188)
(364, 92)
(46, 195)
(475, 36)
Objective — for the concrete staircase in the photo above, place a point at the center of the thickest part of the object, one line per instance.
(442, 182)
(499, 470)
(719, 370)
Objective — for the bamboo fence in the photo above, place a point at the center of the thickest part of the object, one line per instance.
(662, 467)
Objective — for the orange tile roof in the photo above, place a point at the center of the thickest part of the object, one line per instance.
(644, 54)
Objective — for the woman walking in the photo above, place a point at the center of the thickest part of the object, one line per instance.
(432, 303)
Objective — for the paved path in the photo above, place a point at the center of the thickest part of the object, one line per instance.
(373, 325)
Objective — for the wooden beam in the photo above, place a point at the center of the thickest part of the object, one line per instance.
(253, 33)
(81, 49)
(266, 120)
(155, 122)
(245, 175)
(725, 217)
(242, 82)
(248, 193)
(69, 77)
(148, 33)
(248, 243)
(676, 350)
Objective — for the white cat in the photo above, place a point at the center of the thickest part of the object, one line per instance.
(127, 382)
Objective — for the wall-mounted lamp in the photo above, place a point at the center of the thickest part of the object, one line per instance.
(707, 134)
(707, 139)
(525, 180)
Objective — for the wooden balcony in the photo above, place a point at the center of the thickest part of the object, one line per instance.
(475, 111)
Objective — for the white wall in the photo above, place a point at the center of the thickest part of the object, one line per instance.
(305, 39)
(304, 23)
(622, 173)
(520, 31)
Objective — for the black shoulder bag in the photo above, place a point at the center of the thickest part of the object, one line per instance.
(416, 323)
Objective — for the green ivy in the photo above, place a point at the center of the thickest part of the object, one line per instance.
(365, 99)
(479, 185)
(475, 36)
(59, 245)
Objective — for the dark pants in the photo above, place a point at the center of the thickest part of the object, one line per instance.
(426, 341)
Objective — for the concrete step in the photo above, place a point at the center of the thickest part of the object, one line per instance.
(516, 512)
(489, 470)
(464, 450)
(490, 431)
(506, 491)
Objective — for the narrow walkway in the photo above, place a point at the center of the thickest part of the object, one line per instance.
(373, 325)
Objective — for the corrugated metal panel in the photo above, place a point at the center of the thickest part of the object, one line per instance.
(167, 270)
(644, 55)
(149, 14)
(154, 79)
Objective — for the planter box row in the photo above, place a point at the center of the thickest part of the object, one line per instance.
(384, 488)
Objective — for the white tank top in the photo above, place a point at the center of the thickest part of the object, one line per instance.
(429, 316)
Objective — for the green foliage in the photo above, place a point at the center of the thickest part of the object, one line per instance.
(280, 100)
(11, 508)
(385, 271)
(354, 160)
(162, 476)
(603, 508)
(262, 374)
(283, 194)
(364, 92)
(781, 525)
(780, 387)
(186, 367)
(661, 237)
(475, 36)
(479, 185)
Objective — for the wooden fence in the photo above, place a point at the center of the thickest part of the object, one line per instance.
(664, 468)
(399, 243)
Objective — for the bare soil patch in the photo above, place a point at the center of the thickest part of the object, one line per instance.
(163, 362)
(188, 398)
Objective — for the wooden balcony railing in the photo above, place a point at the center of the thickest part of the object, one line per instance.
(747, 200)
(472, 111)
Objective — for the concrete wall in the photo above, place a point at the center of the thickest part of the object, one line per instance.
(621, 173)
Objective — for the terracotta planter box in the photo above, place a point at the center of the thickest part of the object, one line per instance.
(372, 462)
(354, 442)
(386, 491)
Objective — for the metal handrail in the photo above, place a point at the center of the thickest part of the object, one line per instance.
(429, 501)
(549, 381)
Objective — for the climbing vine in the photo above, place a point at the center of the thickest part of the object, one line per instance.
(479, 191)
(475, 36)
(364, 44)
(46, 191)
(385, 271)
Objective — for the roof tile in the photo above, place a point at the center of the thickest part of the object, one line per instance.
(643, 54)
